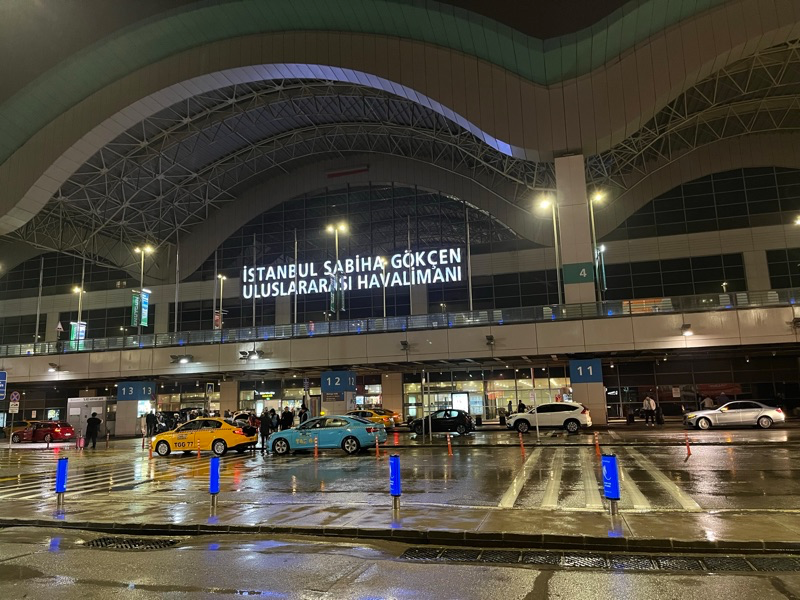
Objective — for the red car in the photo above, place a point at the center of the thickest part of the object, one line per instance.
(45, 431)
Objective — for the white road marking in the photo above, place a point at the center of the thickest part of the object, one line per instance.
(590, 486)
(550, 500)
(631, 490)
(521, 476)
(673, 490)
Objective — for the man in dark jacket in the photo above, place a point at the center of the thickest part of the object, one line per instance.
(92, 429)
(151, 421)
(264, 430)
(287, 418)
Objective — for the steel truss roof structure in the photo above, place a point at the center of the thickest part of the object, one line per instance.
(173, 170)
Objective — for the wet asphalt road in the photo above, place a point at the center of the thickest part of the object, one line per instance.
(740, 470)
(41, 563)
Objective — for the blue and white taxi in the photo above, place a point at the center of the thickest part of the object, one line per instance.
(349, 433)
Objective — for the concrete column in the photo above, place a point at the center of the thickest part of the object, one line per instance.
(161, 324)
(392, 391)
(593, 397)
(574, 230)
(284, 305)
(228, 396)
(419, 299)
(756, 270)
(51, 322)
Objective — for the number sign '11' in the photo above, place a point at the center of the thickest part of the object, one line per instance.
(338, 381)
(586, 371)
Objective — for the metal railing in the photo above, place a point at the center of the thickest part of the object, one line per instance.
(530, 314)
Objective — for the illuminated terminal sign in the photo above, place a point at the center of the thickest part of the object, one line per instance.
(359, 273)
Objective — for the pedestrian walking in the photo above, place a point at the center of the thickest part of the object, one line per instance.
(649, 410)
(274, 421)
(151, 421)
(92, 429)
(287, 418)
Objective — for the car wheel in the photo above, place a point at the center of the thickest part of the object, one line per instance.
(572, 426)
(219, 447)
(460, 429)
(350, 445)
(48, 438)
(162, 448)
(15, 438)
(523, 426)
(280, 447)
(703, 423)
(764, 422)
(418, 429)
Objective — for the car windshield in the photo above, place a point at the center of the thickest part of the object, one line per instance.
(359, 420)
(230, 422)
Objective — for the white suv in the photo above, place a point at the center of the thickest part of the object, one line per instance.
(569, 415)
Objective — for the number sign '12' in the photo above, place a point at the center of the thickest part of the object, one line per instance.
(586, 371)
(338, 381)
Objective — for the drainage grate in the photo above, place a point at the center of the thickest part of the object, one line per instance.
(625, 561)
(541, 558)
(461, 555)
(597, 561)
(726, 563)
(774, 564)
(589, 560)
(679, 563)
(500, 556)
(421, 553)
(126, 543)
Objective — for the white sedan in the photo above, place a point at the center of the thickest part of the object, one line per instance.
(737, 413)
(567, 415)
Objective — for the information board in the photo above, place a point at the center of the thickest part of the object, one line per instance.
(586, 371)
(3, 379)
(338, 381)
(136, 390)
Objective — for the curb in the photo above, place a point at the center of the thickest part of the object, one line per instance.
(435, 537)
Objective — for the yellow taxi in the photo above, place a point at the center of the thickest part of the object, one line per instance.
(19, 425)
(206, 433)
(396, 417)
(373, 416)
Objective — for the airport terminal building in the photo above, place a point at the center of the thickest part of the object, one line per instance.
(218, 206)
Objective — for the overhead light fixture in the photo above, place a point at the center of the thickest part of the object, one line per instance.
(490, 340)
(686, 330)
(182, 359)
(251, 354)
(53, 368)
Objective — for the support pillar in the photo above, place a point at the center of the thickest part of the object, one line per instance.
(593, 397)
(574, 230)
(51, 322)
(756, 270)
(228, 396)
(161, 324)
(392, 392)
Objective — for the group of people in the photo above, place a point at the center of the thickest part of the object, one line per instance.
(271, 421)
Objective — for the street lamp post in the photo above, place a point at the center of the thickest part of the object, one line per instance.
(147, 249)
(222, 279)
(443, 306)
(335, 229)
(79, 290)
(596, 197)
(384, 262)
(545, 203)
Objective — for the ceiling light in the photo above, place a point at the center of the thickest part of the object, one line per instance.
(53, 368)
(686, 330)
(182, 359)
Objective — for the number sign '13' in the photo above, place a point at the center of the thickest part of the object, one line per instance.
(338, 381)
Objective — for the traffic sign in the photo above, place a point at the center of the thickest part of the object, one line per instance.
(60, 327)
(209, 388)
(3, 377)
(610, 476)
(14, 397)
(13, 407)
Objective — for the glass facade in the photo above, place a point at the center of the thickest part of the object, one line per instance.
(735, 199)
(675, 277)
(106, 322)
(784, 268)
(61, 273)
(20, 329)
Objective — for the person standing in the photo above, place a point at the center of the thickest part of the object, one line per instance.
(151, 423)
(287, 419)
(274, 421)
(649, 409)
(303, 414)
(521, 407)
(509, 408)
(92, 429)
(264, 430)
(708, 403)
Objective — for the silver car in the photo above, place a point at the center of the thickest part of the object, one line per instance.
(731, 414)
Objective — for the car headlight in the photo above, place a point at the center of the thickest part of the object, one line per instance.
(690, 416)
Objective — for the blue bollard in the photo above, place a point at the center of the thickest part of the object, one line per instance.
(61, 481)
(395, 484)
(611, 480)
(213, 481)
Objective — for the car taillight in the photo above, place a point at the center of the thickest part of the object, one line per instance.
(57, 430)
(372, 429)
(585, 410)
(776, 410)
(238, 431)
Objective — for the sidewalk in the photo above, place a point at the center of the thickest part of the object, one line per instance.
(740, 532)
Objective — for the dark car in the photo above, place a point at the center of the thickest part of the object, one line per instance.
(45, 431)
(448, 419)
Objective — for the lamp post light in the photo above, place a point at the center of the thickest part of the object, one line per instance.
(338, 294)
(146, 249)
(80, 291)
(596, 197)
(724, 287)
(547, 202)
(222, 280)
(443, 306)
